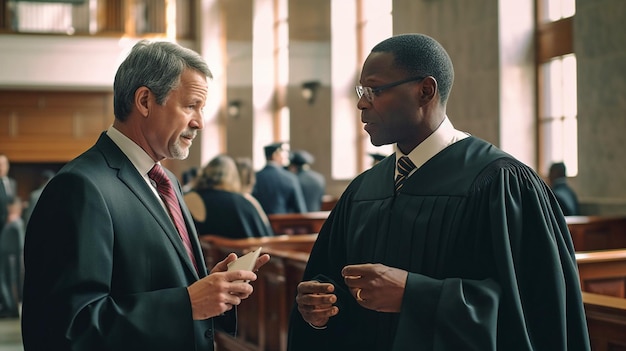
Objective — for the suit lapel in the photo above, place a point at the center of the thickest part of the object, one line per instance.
(127, 173)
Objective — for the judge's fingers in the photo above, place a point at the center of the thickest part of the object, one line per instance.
(357, 270)
(315, 287)
(316, 300)
(317, 316)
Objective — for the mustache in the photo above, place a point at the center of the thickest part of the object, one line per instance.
(191, 134)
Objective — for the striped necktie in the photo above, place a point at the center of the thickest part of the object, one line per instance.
(405, 166)
(166, 191)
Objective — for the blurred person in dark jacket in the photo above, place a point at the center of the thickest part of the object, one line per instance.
(277, 189)
(565, 195)
(218, 206)
(313, 183)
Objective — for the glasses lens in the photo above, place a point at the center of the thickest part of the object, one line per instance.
(359, 91)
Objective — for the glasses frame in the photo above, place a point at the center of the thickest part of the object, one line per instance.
(369, 92)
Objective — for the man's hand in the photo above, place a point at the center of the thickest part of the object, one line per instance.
(315, 302)
(376, 286)
(221, 290)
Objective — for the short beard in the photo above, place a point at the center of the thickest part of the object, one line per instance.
(178, 152)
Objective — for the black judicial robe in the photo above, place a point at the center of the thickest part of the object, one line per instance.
(490, 259)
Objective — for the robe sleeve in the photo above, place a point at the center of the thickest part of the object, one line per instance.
(532, 301)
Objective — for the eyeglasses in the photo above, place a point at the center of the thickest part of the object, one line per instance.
(370, 92)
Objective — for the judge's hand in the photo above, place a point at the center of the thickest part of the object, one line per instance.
(315, 302)
(221, 290)
(376, 286)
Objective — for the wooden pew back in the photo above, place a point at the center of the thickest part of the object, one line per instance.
(603, 272)
(298, 223)
(606, 320)
(597, 232)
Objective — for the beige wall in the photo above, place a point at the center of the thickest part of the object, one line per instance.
(599, 37)
(470, 31)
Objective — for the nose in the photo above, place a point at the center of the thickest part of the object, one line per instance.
(198, 121)
(362, 103)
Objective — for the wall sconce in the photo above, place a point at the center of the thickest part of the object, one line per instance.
(309, 91)
(234, 108)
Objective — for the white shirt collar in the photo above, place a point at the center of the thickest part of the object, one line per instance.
(444, 136)
(137, 156)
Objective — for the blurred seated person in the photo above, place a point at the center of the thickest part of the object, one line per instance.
(189, 178)
(277, 189)
(565, 195)
(248, 178)
(376, 158)
(11, 260)
(217, 205)
(313, 183)
(45, 177)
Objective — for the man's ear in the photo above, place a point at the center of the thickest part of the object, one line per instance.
(142, 100)
(428, 89)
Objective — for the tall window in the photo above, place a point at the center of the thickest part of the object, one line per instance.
(557, 86)
(376, 25)
(172, 18)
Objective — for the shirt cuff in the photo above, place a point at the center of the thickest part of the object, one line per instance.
(318, 328)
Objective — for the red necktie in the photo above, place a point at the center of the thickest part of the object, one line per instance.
(405, 166)
(165, 189)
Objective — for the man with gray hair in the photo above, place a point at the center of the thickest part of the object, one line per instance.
(112, 258)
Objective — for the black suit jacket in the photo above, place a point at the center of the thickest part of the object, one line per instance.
(278, 190)
(313, 186)
(105, 267)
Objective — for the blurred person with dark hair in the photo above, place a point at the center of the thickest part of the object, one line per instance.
(218, 206)
(565, 195)
(189, 179)
(277, 189)
(313, 183)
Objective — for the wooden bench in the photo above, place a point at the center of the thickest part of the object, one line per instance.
(328, 202)
(597, 232)
(263, 318)
(606, 321)
(603, 272)
(216, 248)
(298, 223)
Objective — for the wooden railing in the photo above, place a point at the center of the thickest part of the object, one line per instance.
(263, 318)
(606, 320)
(597, 232)
(603, 272)
(298, 223)
(603, 282)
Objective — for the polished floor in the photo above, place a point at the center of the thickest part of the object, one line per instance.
(10, 335)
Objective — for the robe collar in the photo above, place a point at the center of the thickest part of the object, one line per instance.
(444, 136)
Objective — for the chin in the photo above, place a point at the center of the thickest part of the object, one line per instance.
(180, 153)
(376, 142)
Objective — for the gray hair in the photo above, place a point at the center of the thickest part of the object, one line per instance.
(155, 65)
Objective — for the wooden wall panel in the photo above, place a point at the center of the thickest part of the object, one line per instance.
(51, 126)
